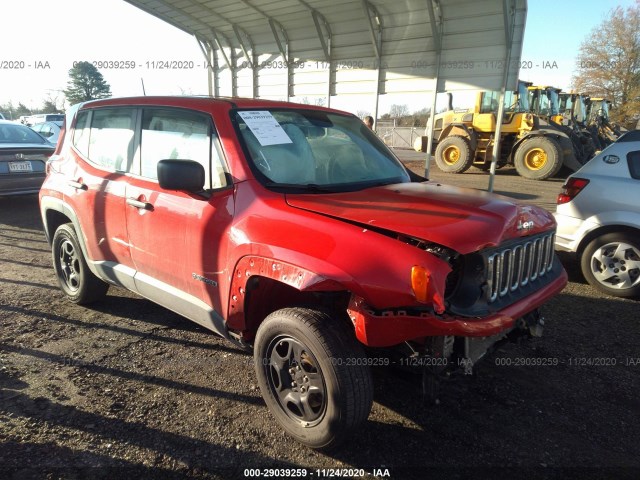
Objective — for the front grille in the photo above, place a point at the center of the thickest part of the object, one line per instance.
(512, 268)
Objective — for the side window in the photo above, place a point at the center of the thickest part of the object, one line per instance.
(633, 160)
(81, 133)
(45, 131)
(180, 135)
(510, 101)
(489, 102)
(111, 140)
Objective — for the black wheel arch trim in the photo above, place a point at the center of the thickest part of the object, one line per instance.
(52, 204)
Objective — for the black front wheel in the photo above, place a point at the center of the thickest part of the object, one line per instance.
(313, 375)
(76, 280)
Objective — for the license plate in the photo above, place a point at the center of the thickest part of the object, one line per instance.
(20, 167)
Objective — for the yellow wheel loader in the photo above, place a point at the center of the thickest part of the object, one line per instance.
(464, 138)
(546, 103)
(598, 120)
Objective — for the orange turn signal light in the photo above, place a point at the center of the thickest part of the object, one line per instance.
(420, 283)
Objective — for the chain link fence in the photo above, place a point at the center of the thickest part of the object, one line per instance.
(398, 137)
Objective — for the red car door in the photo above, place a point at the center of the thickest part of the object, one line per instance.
(176, 238)
(104, 145)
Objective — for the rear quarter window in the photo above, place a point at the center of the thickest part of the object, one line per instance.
(633, 160)
(81, 133)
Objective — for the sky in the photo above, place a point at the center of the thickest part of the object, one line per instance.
(41, 40)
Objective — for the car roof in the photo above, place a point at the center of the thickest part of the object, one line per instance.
(201, 102)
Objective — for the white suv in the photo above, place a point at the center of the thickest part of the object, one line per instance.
(598, 217)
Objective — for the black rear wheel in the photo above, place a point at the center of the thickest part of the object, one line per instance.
(76, 280)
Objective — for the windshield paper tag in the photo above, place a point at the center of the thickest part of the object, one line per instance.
(266, 128)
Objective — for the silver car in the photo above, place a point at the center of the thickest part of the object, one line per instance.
(598, 215)
(23, 156)
(49, 130)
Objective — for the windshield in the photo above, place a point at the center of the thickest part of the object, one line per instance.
(553, 100)
(14, 133)
(316, 150)
(544, 101)
(566, 103)
(523, 97)
(580, 109)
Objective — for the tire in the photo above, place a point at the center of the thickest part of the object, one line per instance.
(611, 263)
(453, 154)
(76, 280)
(313, 376)
(538, 158)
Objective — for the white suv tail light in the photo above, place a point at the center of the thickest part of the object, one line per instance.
(570, 189)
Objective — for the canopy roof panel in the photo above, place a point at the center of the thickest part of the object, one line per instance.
(284, 48)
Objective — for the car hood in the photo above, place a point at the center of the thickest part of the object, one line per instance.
(462, 219)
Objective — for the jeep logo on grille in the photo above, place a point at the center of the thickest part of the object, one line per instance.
(524, 225)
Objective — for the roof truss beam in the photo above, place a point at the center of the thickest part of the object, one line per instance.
(435, 22)
(374, 22)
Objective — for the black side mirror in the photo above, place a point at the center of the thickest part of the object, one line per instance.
(181, 175)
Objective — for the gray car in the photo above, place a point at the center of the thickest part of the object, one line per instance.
(598, 215)
(49, 130)
(23, 155)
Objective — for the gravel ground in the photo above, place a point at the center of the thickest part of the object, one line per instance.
(127, 388)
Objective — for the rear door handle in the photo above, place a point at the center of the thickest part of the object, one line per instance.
(138, 204)
(77, 185)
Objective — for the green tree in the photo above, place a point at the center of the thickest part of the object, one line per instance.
(86, 83)
(420, 117)
(22, 110)
(10, 111)
(49, 106)
(608, 64)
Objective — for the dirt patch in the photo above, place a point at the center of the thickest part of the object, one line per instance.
(128, 388)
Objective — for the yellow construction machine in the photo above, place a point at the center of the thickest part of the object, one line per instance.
(538, 148)
(598, 120)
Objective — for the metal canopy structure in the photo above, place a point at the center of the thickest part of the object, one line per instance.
(282, 49)
(329, 47)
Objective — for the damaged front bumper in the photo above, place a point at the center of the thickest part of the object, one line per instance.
(393, 327)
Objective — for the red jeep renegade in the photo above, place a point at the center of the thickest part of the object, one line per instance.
(293, 230)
